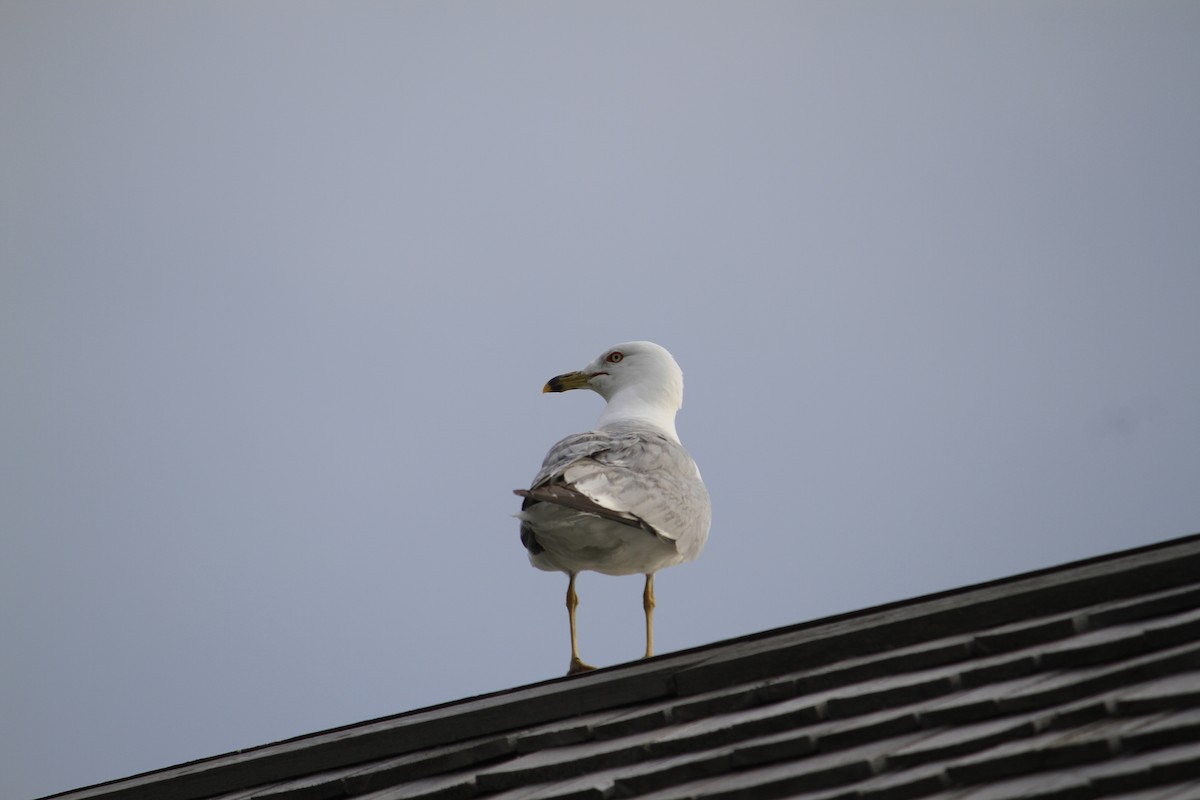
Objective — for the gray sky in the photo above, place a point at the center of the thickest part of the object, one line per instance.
(281, 283)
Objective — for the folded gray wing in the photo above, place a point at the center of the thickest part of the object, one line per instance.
(639, 477)
(570, 497)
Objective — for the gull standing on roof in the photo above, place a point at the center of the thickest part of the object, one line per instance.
(624, 498)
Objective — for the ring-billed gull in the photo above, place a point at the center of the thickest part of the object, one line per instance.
(624, 498)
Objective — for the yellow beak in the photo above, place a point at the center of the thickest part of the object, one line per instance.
(566, 382)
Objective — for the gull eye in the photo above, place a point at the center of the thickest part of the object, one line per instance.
(615, 357)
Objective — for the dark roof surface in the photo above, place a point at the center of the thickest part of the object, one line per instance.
(1074, 682)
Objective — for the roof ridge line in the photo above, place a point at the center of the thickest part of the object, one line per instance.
(827, 640)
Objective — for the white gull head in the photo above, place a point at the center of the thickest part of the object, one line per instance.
(641, 382)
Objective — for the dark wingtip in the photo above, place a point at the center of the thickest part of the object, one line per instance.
(528, 495)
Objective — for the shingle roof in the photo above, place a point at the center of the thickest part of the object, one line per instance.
(1078, 681)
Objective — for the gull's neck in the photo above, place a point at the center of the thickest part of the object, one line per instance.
(628, 407)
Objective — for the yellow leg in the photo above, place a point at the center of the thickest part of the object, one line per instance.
(648, 604)
(577, 664)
